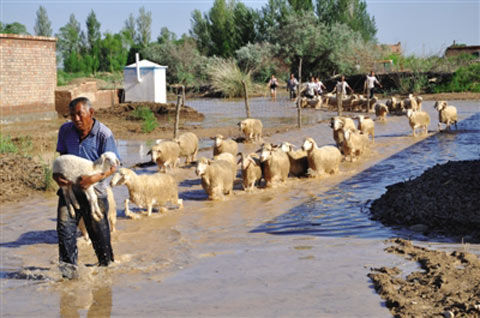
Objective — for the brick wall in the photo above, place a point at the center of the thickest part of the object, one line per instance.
(28, 77)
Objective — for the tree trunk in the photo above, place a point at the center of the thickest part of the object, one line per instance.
(299, 109)
(247, 105)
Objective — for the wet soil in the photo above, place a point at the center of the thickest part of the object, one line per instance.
(447, 286)
(445, 199)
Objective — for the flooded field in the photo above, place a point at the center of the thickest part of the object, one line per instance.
(220, 258)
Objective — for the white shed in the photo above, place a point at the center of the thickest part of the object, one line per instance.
(145, 81)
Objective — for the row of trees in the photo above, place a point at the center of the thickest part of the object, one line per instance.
(328, 36)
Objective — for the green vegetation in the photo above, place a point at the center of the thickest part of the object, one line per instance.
(7, 145)
(13, 28)
(227, 77)
(465, 79)
(149, 120)
(43, 26)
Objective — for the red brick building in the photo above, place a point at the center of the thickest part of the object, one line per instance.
(28, 77)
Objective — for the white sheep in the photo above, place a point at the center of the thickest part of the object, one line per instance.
(276, 165)
(217, 177)
(298, 160)
(321, 160)
(147, 190)
(447, 114)
(111, 216)
(226, 156)
(355, 144)
(224, 145)
(251, 128)
(251, 170)
(188, 143)
(381, 111)
(165, 153)
(418, 119)
(72, 167)
(366, 126)
(340, 123)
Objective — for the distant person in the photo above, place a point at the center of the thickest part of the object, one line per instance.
(369, 85)
(311, 88)
(319, 86)
(84, 137)
(273, 84)
(341, 90)
(292, 84)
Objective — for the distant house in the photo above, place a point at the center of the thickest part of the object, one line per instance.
(456, 49)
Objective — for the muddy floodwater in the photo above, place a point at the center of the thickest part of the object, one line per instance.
(300, 250)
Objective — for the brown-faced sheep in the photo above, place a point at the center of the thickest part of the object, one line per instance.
(381, 111)
(298, 160)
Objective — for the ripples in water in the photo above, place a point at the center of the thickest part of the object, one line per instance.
(343, 210)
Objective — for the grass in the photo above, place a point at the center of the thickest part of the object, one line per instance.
(7, 145)
(149, 120)
(227, 78)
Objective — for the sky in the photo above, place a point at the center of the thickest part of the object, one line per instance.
(424, 27)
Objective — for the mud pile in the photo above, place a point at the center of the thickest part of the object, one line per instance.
(19, 177)
(162, 111)
(445, 199)
(447, 286)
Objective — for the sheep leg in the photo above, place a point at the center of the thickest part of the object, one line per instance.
(129, 213)
(94, 207)
(180, 203)
(71, 200)
(83, 230)
(149, 208)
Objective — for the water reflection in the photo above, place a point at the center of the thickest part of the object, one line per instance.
(343, 210)
(96, 300)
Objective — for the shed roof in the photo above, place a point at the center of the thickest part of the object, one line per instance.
(146, 64)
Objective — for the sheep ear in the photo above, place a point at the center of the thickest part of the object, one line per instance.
(250, 159)
(117, 162)
(149, 152)
(254, 155)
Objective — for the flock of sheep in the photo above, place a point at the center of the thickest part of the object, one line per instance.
(271, 163)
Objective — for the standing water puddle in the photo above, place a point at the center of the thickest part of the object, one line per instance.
(343, 210)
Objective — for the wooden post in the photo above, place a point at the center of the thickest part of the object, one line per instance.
(299, 109)
(177, 116)
(247, 106)
(183, 95)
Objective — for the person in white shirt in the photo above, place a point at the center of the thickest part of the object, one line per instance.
(341, 90)
(310, 89)
(319, 86)
(369, 85)
(292, 84)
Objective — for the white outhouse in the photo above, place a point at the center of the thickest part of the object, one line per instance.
(145, 81)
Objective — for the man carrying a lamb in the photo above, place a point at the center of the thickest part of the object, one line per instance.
(87, 138)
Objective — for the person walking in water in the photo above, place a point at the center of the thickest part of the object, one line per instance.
(85, 137)
(341, 90)
(292, 84)
(273, 84)
(369, 87)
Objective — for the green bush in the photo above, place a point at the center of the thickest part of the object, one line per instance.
(465, 79)
(149, 120)
(227, 77)
(7, 145)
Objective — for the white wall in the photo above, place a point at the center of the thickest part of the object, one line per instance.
(160, 85)
(139, 92)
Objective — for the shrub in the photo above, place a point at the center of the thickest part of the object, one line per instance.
(465, 79)
(227, 77)
(149, 120)
(7, 145)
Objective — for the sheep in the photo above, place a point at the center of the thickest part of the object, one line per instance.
(413, 103)
(72, 167)
(188, 143)
(147, 190)
(354, 145)
(111, 216)
(395, 106)
(217, 177)
(224, 145)
(381, 111)
(447, 114)
(166, 154)
(418, 119)
(251, 170)
(298, 160)
(251, 128)
(366, 126)
(321, 160)
(226, 156)
(339, 123)
(276, 165)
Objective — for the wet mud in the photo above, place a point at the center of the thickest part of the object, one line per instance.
(448, 284)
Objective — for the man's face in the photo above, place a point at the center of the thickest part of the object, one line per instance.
(81, 117)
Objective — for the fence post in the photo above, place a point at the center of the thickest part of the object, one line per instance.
(183, 95)
(299, 109)
(177, 116)
(247, 105)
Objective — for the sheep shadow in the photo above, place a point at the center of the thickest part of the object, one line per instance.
(34, 273)
(32, 238)
(190, 182)
(193, 195)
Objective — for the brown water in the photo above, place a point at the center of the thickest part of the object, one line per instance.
(217, 258)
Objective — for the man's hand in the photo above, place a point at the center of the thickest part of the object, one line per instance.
(60, 180)
(85, 181)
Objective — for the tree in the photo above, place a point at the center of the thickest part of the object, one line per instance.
(301, 5)
(43, 26)
(129, 28)
(13, 28)
(93, 31)
(221, 28)
(245, 22)
(166, 35)
(70, 44)
(271, 17)
(144, 25)
(199, 31)
(113, 56)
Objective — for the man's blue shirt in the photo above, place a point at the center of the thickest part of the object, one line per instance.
(99, 140)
